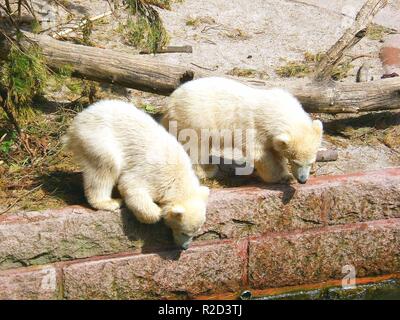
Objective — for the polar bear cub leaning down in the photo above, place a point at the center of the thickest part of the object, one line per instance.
(286, 139)
(117, 144)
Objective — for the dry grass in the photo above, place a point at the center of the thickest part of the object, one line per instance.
(378, 32)
(32, 180)
(144, 28)
(292, 69)
(391, 138)
(198, 21)
(301, 69)
(236, 34)
(248, 73)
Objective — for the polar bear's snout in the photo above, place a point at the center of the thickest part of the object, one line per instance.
(301, 169)
(182, 240)
(301, 172)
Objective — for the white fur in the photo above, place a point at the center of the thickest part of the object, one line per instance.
(220, 103)
(117, 144)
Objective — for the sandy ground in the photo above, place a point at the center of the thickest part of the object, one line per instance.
(257, 34)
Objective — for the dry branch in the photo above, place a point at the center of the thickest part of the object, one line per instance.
(351, 37)
(58, 34)
(171, 49)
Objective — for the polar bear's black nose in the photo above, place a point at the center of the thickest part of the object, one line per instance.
(185, 246)
(302, 180)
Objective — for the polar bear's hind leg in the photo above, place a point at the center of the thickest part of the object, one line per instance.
(98, 184)
(101, 166)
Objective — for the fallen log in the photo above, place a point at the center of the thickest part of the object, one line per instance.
(145, 73)
(339, 97)
(326, 155)
(105, 65)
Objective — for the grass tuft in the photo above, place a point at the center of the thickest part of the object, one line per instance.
(144, 28)
(24, 75)
(248, 73)
(197, 21)
(149, 108)
(378, 32)
(301, 69)
(296, 69)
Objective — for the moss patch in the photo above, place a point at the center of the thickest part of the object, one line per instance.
(341, 71)
(23, 75)
(149, 108)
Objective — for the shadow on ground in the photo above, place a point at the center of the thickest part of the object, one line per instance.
(65, 186)
(378, 120)
(154, 238)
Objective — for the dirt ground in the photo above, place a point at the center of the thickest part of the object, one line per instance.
(259, 35)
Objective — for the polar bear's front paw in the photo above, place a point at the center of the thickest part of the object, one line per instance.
(287, 179)
(150, 216)
(207, 171)
(110, 205)
(150, 219)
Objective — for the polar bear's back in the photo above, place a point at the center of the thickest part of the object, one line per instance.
(113, 120)
(117, 134)
(208, 102)
(115, 115)
(216, 102)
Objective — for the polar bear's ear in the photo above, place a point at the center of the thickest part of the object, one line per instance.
(281, 142)
(204, 192)
(317, 125)
(178, 211)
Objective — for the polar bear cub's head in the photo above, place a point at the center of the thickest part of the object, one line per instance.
(186, 217)
(300, 147)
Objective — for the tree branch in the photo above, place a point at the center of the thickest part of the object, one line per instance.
(351, 37)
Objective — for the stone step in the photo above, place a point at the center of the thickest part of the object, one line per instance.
(217, 268)
(75, 232)
(255, 238)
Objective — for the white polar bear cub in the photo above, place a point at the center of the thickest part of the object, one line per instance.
(117, 144)
(283, 131)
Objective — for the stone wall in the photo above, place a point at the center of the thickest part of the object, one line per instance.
(256, 238)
